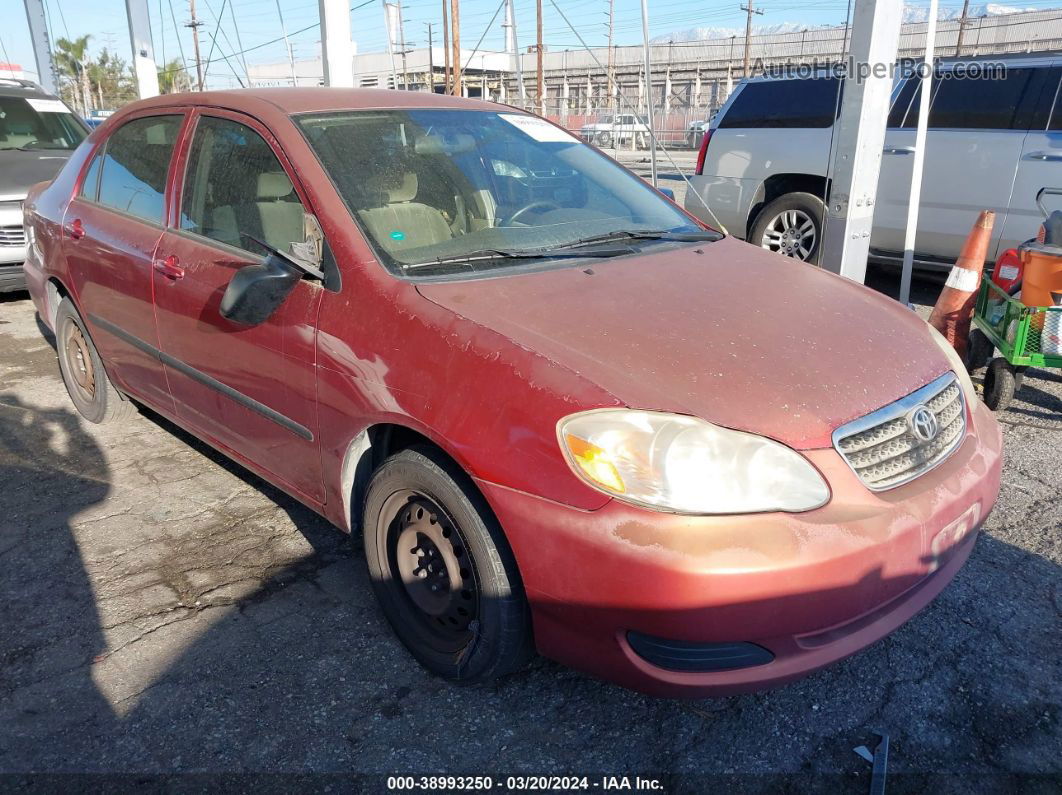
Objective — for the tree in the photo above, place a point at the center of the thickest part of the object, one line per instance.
(173, 78)
(70, 59)
(111, 80)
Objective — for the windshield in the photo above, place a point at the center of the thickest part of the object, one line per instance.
(31, 123)
(432, 186)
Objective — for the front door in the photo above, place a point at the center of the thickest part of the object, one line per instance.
(250, 389)
(111, 229)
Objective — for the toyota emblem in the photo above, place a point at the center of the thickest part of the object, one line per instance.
(923, 424)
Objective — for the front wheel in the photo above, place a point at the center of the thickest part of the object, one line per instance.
(1002, 380)
(791, 225)
(442, 570)
(604, 140)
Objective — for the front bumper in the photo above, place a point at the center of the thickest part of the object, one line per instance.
(811, 588)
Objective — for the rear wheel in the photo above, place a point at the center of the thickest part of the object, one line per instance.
(442, 569)
(90, 390)
(604, 140)
(791, 225)
(979, 350)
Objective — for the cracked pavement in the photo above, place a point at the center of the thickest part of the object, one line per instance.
(164, 611)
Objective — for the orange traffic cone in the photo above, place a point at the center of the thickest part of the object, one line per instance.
(951, 315)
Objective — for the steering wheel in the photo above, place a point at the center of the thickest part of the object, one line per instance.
(530, 207)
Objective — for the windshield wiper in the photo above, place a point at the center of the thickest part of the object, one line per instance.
(645, 234)
(540, 253)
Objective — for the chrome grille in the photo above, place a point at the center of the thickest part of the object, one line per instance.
(12, 236)
(882, 448)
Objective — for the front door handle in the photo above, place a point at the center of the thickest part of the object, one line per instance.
(76, 229)
(899, 150)
(170, 267)
(1049, 156)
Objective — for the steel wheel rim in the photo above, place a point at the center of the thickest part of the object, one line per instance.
(79, 361)
(431, 568)
(791, 232)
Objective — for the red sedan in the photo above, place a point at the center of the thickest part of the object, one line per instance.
(563, 413)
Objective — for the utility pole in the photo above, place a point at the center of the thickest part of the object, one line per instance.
(431, 58)
(402, 47)
(194, 24)
(287, 45)
(962, 27)
(748, 32)
(610, 76)
(538, 49)
(37, 20)
(446, 49)
(455, 19)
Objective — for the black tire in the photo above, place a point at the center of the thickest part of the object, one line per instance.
(84, 375)
(979, 350)
(1001, 382)
(454, 598)
(604, 140)
(803, 206)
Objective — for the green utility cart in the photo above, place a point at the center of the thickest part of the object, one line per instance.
(1025, 336)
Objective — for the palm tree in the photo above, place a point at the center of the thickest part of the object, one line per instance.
(70, 59)
(173, 78)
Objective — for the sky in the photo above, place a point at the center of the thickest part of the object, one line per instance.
(257, 23)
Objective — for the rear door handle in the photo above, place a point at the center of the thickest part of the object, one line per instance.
(1049, 156)
(899, 150)
(76, 229)
(169, 267)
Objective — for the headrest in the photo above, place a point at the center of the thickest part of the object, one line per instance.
(448, 145)
(398, 186)
(273, 185)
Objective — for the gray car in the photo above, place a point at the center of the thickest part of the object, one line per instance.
(37, 135)
(993, 142)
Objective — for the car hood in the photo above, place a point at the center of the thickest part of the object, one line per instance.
(20, 170)
(736, 335)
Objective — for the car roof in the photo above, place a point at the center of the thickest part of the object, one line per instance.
(293, 100)
(13, 87)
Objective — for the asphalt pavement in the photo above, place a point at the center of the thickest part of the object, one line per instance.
(163, 611)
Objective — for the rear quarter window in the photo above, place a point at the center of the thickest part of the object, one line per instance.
(807, 102)
(135, 164)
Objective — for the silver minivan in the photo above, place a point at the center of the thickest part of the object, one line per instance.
(995, 139)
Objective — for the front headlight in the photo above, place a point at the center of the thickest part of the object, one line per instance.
(956, 363)
(677, 463)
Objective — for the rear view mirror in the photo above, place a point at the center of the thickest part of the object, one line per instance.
(257, 290)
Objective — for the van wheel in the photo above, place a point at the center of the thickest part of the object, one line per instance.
(442, 570)
(791, 225)
(90, 390)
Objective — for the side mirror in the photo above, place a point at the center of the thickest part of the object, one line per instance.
(668, 192)
(256, 291)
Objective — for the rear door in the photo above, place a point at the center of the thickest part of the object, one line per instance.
(111, 229)
(977, 128)
(1040, 165)
(250, 389)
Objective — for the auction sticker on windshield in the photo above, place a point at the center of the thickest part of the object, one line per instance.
(539, 129)
(47, 105)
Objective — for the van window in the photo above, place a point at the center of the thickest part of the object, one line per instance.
(808, 102)
(235, 187)
(990, 103)
(135, 164)
(904, 111)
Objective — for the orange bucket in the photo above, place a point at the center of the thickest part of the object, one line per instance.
(1041, 275)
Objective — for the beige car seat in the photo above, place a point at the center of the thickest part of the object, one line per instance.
(398, 222)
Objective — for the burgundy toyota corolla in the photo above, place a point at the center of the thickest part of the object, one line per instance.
(564, 414)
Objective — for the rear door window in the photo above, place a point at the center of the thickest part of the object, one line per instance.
(807, 102)
(992, 102)
(135, 164)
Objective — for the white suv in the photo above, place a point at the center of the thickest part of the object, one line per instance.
(993, 142)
